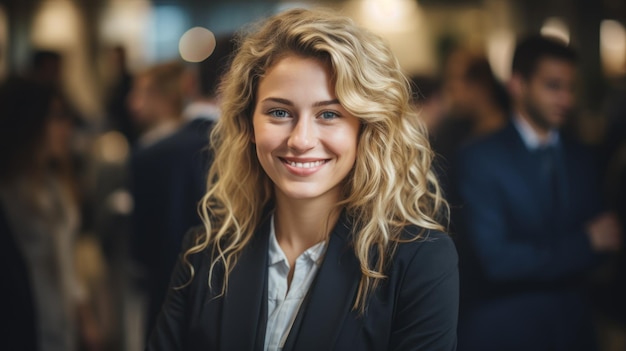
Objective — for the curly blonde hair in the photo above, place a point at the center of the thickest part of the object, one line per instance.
(391, 185)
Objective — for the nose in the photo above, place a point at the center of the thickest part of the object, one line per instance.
(303, 136)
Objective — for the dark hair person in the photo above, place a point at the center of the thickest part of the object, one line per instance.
(39, 199)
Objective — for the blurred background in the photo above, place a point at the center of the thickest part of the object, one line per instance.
(419, 31)
(95, 50)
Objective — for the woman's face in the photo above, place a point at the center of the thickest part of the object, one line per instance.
(305, 140)
(58, 132)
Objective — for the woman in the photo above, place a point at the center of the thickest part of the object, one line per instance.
(40, 202)
(320, 227)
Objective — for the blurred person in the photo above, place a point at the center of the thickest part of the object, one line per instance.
(39, 196)
(117, 107)
(455, 127)
(428, 99)
(614, 147)
(156, 102)
(17, 307)
(46, 67)
(486, 100)
(613, 151)
(169, 180)
(321, 221)
(477, 102)
(532, 219)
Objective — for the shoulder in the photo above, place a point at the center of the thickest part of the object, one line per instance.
(194, 237)
(481, 155)
(491, 144)
(150, 154)
(193, 132)
(428, 253)
(425, 272)
(198, 260)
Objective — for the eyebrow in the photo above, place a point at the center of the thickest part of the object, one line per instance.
(289, 103)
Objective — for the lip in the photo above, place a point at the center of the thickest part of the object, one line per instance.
(308, 165)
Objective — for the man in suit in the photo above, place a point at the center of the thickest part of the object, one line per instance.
(169, 179)
(532, 221)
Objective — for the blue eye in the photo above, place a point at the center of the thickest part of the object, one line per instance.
(279, 113)
(329, 115)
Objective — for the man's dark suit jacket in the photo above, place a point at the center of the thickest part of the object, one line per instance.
(414, 309)
(168, 180)
(522, 263)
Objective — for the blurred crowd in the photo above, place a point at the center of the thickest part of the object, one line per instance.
(92, 214)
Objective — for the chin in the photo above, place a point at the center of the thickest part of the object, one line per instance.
(300, 192)
(557, 122)
(301, 195)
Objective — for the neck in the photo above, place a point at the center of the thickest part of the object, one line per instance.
(300, 224)
(542, 132)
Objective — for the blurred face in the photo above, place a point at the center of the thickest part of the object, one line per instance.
(456, 88)
(144, 102)
(305, 140)
(58, 132)
(548, 96)
(432, 111)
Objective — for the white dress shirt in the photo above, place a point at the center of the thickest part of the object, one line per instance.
(203, 110)
(531, 138)
(283, 302)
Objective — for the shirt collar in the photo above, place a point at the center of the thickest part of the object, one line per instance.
(530, 137)
(158, 132)
(202, 110)
(276, 254)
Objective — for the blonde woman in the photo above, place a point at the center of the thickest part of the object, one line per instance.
(321, 220)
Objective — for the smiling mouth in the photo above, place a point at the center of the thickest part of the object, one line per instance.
(307, 164)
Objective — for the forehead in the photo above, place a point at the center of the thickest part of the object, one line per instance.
(288, 61)
(293, 72)
(550, 67)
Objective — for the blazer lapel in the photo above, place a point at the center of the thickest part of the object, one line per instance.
(244, 314)
(566, 168)
(330, 297)
(527, 167)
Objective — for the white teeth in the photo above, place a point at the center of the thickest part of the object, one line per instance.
(305, 164)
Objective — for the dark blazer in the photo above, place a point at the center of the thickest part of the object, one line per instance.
(168, 180)
(17, 309)
(522, 263)
(414, 309)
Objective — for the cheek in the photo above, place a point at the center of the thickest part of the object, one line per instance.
(265, 141)
(345, 142)
(543, 100)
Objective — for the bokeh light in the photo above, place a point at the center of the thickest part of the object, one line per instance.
(556, 27)
(196, 44)
(613, 47)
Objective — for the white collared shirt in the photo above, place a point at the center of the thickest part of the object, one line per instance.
(158, 133)
(203, 110)
(283, 305)
(530, 138)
